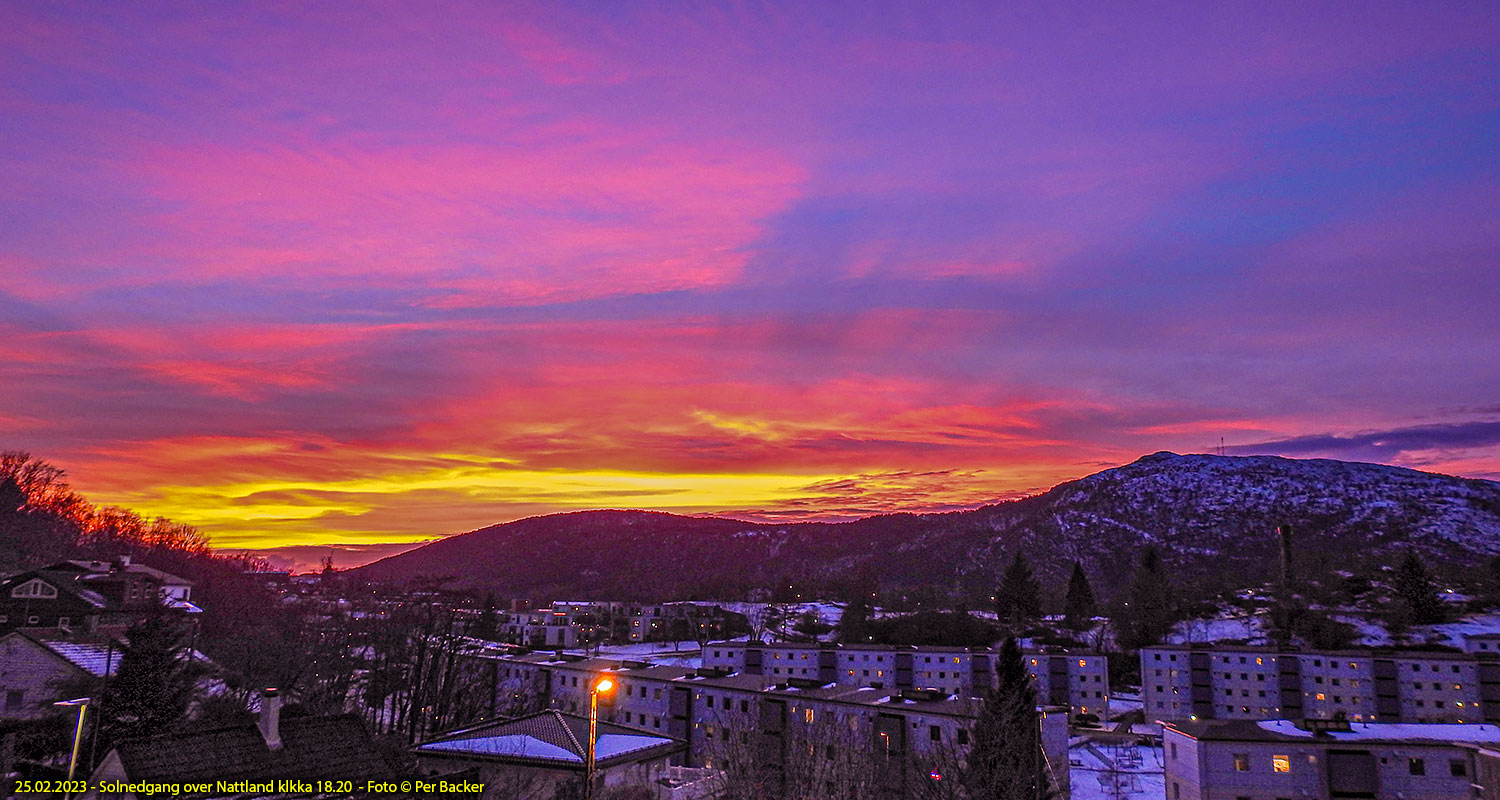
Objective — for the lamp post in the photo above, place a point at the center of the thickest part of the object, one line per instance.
(601, 686)
(83, 706)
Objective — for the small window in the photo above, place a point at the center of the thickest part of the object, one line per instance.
(1458, 768)
(1416, 766)
(935, 733)
(14, 699)
(1241, 762)
(1281, 763)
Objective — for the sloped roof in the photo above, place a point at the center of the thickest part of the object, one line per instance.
(92, 654)
(63, 582)
(552, 738)
(95, 568)
(333, 747)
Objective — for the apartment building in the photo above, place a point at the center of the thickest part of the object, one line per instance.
(1280, 760)
(1077, 680)
(572, 623)
(1181, 682)
(707, 707)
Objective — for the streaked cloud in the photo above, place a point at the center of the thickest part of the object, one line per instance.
(364, 277)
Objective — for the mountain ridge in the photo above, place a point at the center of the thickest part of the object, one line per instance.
(1209, 514)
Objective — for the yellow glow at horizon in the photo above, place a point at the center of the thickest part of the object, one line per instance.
(223, 509)
(408, 503)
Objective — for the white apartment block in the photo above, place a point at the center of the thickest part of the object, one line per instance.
(1077, 680)
(1180, 682)
(705, 707)
(1277, 760)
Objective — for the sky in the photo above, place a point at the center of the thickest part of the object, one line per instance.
(353, 276)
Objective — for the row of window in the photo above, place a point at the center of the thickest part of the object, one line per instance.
(1317, 662)
(1457, 767)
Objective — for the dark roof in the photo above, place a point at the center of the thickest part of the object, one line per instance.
(334, 747)
(93, 569)
(551, 737)
(62, 582)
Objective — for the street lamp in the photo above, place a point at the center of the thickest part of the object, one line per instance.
(83, 706)
(601, 686)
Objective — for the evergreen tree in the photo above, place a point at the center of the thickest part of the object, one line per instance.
(1491, 581)
(1080, 606)
(487, 624)
(152, 688)
(1415, 592)
(1018, 600)
(1005, 760)
(11, 496)
(1147, 615)
(854, 625)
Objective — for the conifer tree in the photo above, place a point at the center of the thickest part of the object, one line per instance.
(1005, 760)
(1415, 592)
(1147, 615)
(854, 624)
(1080, 606)
(12, 497)
(1018, 600)
(152, 688)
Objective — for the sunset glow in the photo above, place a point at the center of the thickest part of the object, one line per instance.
(370, 275)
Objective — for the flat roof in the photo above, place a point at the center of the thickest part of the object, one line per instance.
(1372, 652)
(1285, 730)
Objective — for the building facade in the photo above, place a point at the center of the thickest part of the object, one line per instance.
(715, 711)
(1278, 760)
(1180, 682)
(1077, 680)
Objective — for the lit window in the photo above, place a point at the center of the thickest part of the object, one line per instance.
(1281, 763)
(1241, 762)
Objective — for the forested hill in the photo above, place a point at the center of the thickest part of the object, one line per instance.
(1210, 515)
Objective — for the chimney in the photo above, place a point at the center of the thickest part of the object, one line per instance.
(270, 717)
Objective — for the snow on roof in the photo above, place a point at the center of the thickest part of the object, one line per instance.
(92, 657)
(1428, 731)
(515, 745)
(609, 745)
(183, 605)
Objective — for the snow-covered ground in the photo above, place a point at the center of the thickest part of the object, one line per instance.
(760, 614)
(1455, 632)
(1371, 633)
(1246, 628)
(671, 654)
(1107, 772)
(1124, 703)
